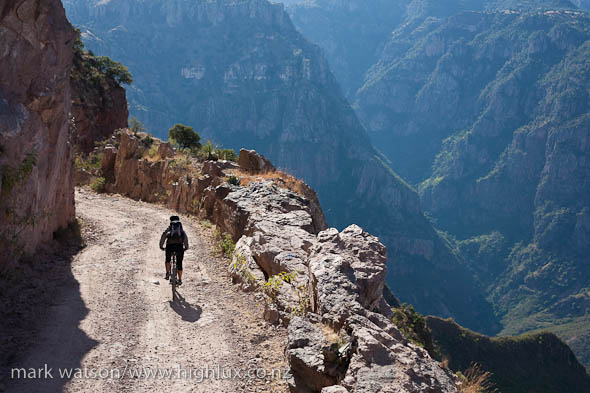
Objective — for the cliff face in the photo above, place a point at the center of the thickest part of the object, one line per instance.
(99, 103)
(36, 156)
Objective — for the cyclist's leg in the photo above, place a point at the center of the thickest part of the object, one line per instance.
(168, 257)
(179, 258)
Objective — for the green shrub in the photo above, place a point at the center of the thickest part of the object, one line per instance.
(113, 69)
(184, 136)
(135, 125)
(226, 154)
(98, 184)
(208, 151)
(225, 243)
(90, 163)
(148, 141)
(234, 180)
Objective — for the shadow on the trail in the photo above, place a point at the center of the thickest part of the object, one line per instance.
(187, 311)
(41, 329)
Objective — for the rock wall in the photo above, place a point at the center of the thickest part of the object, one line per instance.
(325, 285)
(35, 154)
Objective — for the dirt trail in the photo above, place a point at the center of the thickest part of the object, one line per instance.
(120, 319)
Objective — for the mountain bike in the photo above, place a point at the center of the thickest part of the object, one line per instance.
(173, 275)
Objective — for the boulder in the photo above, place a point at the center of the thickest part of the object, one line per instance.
(216, 168)
(347, 272)
(334, 260)
(252, 161)
(305, 355)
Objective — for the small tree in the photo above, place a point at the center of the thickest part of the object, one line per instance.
(136, 125)
(184, 136)
(209, 150)
(113, 69)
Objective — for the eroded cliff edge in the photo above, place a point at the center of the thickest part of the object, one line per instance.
(37, 194)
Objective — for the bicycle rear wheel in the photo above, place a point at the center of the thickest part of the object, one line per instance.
(173, 276)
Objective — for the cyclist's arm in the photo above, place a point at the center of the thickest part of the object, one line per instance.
(163, 239)
(185, 240)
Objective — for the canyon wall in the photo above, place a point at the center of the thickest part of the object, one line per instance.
(37, 194)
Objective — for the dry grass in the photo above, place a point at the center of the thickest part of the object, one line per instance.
(329, 334)
(280, 178)
(475, 380)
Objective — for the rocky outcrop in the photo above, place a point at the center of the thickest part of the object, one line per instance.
(324, 284)
(99, 103)
(36, 157)
(253, 162)
(347, 276)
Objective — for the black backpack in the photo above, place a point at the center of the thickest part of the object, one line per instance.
(175, 233)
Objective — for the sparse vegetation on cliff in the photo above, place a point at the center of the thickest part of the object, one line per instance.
(11, 176)
(413, 325)
(97, 70)
(225, 244)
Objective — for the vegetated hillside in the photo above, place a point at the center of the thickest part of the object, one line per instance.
(489, 113)
(531, 363)
(239, 73)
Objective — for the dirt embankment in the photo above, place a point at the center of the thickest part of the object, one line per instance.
(116, 314)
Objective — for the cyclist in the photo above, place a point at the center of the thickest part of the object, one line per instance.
(176, 240)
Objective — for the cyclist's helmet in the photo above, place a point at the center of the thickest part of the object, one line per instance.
(174, 219)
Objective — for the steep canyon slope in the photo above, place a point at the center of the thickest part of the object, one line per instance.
(502, 99)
